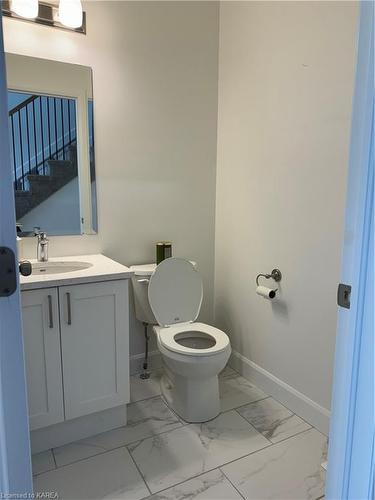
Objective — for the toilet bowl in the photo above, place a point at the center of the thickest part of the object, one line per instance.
(169, 297)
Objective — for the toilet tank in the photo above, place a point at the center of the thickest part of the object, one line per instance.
(140, 281)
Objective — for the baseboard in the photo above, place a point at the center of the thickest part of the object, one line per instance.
(78, 428)
(136, 362)
(297, 402)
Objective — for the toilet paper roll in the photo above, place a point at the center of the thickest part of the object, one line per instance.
(265, 292)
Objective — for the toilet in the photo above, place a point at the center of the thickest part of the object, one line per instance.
(169, 297)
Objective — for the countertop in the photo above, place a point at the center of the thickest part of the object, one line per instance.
(102, 269)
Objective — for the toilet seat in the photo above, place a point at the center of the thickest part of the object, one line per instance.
(175, 295)
(166, 336)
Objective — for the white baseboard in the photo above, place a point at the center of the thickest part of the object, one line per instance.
(78, 428)
(136, 361)
(297, 402)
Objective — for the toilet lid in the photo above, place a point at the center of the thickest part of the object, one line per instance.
(175, 292)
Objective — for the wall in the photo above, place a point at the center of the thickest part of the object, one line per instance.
(155, 100)
(286, 80)
(285, 86)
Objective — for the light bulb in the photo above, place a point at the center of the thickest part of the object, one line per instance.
(70, 13)
(25, 8)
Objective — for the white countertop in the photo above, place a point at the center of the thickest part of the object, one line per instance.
(102, 269)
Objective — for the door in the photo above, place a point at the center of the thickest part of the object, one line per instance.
(95, 350)
(351, 456)
(41, 336)
(15, 466)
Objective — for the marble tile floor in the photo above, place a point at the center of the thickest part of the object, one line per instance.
(255, 449)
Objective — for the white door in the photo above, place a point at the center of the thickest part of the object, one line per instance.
(351, 455)
(41, 334)
(15, 466)
(95, 350)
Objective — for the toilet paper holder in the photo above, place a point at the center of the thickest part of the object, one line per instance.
(275, 274)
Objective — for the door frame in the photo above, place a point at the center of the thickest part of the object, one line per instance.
(15, 467)
(352, 430)
(15, 464)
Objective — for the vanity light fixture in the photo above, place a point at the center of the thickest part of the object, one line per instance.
(68, 15)
(25, 8)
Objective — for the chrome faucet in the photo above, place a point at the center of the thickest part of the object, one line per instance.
(42, 245)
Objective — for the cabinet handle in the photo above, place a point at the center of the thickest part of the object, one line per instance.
(69, 308)
(50, 311)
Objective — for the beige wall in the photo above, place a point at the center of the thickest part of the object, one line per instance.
(286, 82)
(155, 96)
(285, 87)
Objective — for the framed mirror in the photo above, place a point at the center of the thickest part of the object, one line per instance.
(51, 126)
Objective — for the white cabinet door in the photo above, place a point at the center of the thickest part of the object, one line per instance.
(41, 334)
(95, 346)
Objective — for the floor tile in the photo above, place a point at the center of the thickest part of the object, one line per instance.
(287, 470)
(145, 388)
(236, 391)
(43, 462)
(210, 486)
(273, 420)
(176, 456)
(110, 475)
(145, 418)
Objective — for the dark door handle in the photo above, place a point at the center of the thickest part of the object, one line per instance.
(25, 268)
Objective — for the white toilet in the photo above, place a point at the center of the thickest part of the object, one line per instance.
(169, 297)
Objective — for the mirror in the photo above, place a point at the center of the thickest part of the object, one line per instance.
(51, 127)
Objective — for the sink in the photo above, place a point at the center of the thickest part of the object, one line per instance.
(59, 267)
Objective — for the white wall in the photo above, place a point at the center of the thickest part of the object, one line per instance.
(285, 86)
(286, 80)
(155, 107)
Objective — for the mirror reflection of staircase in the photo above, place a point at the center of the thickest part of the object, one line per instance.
(43, 147)
(42, 186)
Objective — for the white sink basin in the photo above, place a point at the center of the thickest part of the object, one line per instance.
(59, 267)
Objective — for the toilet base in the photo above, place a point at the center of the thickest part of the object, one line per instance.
(194, 400)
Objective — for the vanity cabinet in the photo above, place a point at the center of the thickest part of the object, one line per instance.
(76, 347)
(41, 337)
(94, 347)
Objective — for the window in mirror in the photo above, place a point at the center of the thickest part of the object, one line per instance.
(43, 143)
